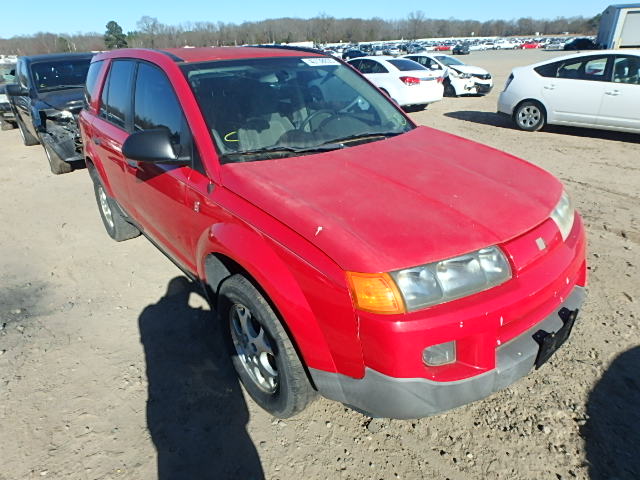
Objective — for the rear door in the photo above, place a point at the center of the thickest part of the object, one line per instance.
(621, 102)
(574, 89)
(112, 126)
(157, 191)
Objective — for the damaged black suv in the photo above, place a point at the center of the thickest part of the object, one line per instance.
(46, 98)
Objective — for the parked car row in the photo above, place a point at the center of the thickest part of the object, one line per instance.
(347, 251)
(463, 46)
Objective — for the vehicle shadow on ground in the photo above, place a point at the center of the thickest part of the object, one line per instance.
(503, 121)
(196, 413)
(611, 433)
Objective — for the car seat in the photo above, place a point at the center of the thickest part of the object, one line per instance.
(265, 123)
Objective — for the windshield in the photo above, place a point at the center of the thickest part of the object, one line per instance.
(288, 106)
(56, 75)
(448, 61)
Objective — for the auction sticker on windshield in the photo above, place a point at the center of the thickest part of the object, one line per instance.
(320, 61)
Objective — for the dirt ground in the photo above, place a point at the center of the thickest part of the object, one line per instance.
(110, 366)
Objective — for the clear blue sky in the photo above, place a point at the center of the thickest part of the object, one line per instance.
(71, 16)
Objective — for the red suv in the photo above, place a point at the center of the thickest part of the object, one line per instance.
(397, 269)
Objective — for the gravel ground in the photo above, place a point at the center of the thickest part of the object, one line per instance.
(111, 368)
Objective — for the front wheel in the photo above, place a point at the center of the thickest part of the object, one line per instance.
(529, 116)
(261, 351)
(449, 91)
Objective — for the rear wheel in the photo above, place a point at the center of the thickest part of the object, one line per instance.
(529, 116)
(27, 138)
(5, 125)
(114, 222)
(261, 351)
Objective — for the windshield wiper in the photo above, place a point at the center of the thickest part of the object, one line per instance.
(276, 151)
(371, 136)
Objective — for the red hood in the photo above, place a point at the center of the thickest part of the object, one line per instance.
(400, 202)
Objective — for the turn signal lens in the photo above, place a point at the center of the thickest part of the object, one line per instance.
(375, 292)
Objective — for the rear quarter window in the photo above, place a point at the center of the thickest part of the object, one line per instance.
(550, 70)
(92, 80)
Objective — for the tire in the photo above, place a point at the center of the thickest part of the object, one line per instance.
(261, 352)
(449, 91)
(529, 116)
(56, 165)
(27, 138)
(114, 222)
(4, 125)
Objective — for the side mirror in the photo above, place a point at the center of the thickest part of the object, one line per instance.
(151, 146)
(16, 90)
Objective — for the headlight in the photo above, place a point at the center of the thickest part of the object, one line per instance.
(563, 215)
(457, 277)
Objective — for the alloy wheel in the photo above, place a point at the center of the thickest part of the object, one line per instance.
(253, 346)
(529, 116)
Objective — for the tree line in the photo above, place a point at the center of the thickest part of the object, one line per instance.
(321, 29)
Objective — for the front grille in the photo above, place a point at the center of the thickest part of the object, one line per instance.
(486, 76)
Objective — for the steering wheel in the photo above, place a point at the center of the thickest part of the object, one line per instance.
(356, 123)
(315, 114)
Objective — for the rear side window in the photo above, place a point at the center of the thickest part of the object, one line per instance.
(626, 69)
(406, 65)
(116, 94)
(425, 62)
(92, 79)
(370, 66)
(550, 70)
(592, 68)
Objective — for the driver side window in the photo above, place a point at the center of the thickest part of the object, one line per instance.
(156, 106)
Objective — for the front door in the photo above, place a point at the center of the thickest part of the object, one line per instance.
(621, 102)
(157, 191)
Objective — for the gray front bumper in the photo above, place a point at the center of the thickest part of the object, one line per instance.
(379, 395)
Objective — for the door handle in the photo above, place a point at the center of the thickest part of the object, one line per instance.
(549, 87)
(613, 93)
(97, 140)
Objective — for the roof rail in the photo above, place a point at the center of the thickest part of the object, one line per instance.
(172, 56)
(288, 47)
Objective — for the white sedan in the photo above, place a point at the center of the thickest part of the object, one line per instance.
(597, 89)
(460, 78)
(408, 83)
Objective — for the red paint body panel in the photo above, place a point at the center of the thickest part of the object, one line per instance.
(400, 202)
(408, 200)
(481, 322)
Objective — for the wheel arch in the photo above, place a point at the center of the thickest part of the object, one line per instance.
(230, 248)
